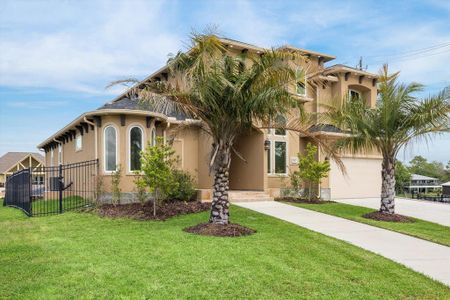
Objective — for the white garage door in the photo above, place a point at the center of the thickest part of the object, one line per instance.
(363, 179)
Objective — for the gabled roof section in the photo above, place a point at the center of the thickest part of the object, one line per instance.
(340, 68)
(237, 45)
(11, 159)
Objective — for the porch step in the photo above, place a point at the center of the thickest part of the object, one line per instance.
(248, 196)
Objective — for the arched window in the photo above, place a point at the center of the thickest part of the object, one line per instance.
(135, 144)
(110, 143)
(280, 121)
(153, 137)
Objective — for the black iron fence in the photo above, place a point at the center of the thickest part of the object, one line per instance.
(52, 190)
(437, 198)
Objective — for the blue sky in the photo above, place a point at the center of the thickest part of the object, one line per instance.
(56, 57)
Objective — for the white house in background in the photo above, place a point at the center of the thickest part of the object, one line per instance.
(446, 188)
(422, 184)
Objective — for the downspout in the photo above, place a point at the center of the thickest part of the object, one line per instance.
(95, 135)
(62, 152)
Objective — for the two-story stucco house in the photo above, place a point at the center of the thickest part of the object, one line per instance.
(117, 131)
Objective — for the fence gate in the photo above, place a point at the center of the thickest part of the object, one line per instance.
(52, 190)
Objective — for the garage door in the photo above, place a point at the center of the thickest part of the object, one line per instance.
(363, 179)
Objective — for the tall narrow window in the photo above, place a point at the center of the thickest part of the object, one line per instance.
(78, 142)
(51, 157)
(300, 86)
(153, 137)
(280, 157)
(59, 154)
(135, 148)
(110, 142)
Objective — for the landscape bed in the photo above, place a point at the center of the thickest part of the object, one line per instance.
(52, 257)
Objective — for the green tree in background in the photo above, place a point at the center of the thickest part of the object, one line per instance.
(402, 176)
(420, 165)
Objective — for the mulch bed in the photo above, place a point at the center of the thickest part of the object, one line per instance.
(145, 212)
(379, 216)
(302, 200)
(229, 230)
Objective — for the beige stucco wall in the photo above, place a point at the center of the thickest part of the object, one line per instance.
(249, 174)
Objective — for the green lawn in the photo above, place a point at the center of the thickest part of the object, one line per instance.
(52, 205)
(80, 255)
(421, 229)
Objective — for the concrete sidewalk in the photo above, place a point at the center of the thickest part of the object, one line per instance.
(422, 256)
(429, 211)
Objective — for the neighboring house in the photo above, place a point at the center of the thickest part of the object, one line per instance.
(117, 131)
(15, 161)
(422, 184)
(446, 188)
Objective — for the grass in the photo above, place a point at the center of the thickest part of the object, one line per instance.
(52, 205)
(422, 229)
(80, 255)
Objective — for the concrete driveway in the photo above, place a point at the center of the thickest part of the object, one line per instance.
(429, 211)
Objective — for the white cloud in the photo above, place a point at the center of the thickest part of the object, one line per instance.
(129, 38)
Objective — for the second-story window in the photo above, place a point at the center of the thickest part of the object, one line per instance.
(300, 84)
(354, 95)
(59, 154)
(78, 142)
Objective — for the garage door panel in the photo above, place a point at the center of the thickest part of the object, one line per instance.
(363, 179)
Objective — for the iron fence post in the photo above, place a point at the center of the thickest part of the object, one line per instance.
(60, 189)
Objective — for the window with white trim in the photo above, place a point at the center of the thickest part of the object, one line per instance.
(59, 154)
(281, 122)
(277, 160)
(110, 148)
(135, 148)
(78, 142)
(51, 158)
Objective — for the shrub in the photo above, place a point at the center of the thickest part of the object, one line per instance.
(157, 165)
(183, 186)
(115, 185)
(310, 169)
(141, 188)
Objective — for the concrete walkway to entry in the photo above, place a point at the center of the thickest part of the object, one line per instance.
(422, 256)
(420, 209)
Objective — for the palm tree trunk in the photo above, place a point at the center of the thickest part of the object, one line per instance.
(387, 185)
(220, 204)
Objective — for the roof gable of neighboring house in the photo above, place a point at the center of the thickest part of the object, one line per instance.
(11, 159)
(421, 177)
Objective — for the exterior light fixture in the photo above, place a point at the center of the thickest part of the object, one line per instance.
(266, 145)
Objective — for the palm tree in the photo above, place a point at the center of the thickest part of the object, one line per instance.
(229, 94)
(398, 120)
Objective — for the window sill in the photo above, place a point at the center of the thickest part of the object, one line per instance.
(302, 98)
(277, 175)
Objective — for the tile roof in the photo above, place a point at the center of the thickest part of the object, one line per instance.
(325, 128)
(134, 104)
(10, 159)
